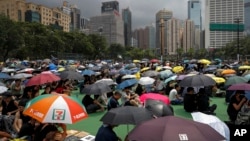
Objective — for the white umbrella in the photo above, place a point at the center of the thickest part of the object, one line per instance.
(26, 70)
(128, 76)
(7, 70)
(3, 89)
(146, 81)
(21, 76)
(214, 122)
(108, 81)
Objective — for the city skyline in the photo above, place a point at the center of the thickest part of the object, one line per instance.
(143, 13)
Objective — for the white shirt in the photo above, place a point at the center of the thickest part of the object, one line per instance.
(172, 94)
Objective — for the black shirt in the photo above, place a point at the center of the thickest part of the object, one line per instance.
(190, 103)
(8, 107)
(231, 111)
(87, 100)
(41, 131)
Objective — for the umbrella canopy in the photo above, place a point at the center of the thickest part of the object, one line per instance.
(210, 69)
(219, 80)
(154, 61)
(228, 71)
(96, 89)
(3, 89)
(244, 67)
(178, 69)
(204, 61)
(42, 78)
(235, 80)
(146, 81)
(88, 72)
(247, 77)
(171, 128)
(246, 73)
(197, 81)
(170, 79)
(125, 71)
(2, 84)
(240, 86)
(181, 77)
(158, 108)
(154, 96)
(4, 75)
(126, 115)
(151, 73)
(72, 75)
(165, 74)
(21, 76)
(107, 81)
(59, 108)
(136, 61)
(214, 122)
(26, 70)
(127, 83)
(128, 76)
(145, 69)
(210, 75)
(167, 67)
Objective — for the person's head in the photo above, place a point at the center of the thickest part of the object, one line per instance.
(117, 95)
(18, 82)
(177, 87)
(21, 104)
(190, 90)
(126, 89)
(202, 91)
(54, 136)
(239, 94)
(47, 89)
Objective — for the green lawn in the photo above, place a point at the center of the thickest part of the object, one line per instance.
(92, 123)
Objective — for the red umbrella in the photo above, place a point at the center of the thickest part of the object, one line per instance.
(42, 78)
(154, 61)
(155, 96)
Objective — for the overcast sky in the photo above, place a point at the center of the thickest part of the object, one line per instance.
(143, 11)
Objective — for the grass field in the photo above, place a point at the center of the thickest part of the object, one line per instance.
(92, 123)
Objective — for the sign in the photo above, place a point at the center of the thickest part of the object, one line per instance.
(58, 114)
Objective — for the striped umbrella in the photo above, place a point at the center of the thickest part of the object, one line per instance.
(55, 108)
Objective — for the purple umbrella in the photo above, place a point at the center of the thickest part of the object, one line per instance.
(171, 128)
(240, 86)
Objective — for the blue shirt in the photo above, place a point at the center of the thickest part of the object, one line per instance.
(105, 133)
(113, 103)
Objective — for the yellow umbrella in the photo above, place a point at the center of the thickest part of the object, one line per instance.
(219, 80)
(204, 61)
(136, 61)
(245, 67)
(138, 75)
(145, 69)
(158, 68)
(178, 69)
(61, 69)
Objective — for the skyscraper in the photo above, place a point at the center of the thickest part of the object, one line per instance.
(75, 15)
(173, 36)
(110, 6)
(188, 35)
(221, 27)
(164, 15)
(194, 12)
(247, 17)
(127, 19)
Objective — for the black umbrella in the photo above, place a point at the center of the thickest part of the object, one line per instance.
(197, 81)
(158, 108)
(96, 89)
(73, 75)
(126, 115)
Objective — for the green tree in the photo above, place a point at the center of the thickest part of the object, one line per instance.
(114, 50)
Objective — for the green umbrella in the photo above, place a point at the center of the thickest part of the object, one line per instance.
(235, 80)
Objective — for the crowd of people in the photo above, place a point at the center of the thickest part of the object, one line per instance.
(13, 123)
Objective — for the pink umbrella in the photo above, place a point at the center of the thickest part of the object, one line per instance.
(155, 96)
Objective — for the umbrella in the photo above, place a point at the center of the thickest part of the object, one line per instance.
(197, 80)
(247, 77)
(158, 108)
(181, 77)
(125, 71)
(204, 61)
(136, 61)
(107, 81)
(96, 89)
(150, 73)
(178, 69)
(42, 78)
(165, 74)
(88, 72)
(240, 86)
(171, 128)
(155, 96)
(21, 76)
(167, 67)
(145, 69)
(4, 75)
(26, 70)
(213, 122)
(246, 73)
(127, 83)
(7, 70)
(170, 79)
(154, 61)
(3, 89)
(2, 84)
(146, 81)
(72, 75)
(235, 80)
(244, 67)
(126, 115)
(128, 76)
(210, 75)
(219, 80)
(228, 71)
(210, 69)
(56, 108)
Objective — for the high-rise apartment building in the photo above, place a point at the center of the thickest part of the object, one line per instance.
(162, 15)
(151, 38)
(127, 19)
(247, 16)
(188, 35)
(14, 9)
(173, 36)
(110, 7)
(194, 12)
(221, 27)
(75, 15)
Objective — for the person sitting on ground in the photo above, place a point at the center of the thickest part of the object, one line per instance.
(236, 102)
(91, 105)
(106, 133)
(190, 100)
(129, 98)
(47, 90)
(174, 97)
(113, 101)
(243, 117)
(203, 103)
(54, 136)
(217, 92)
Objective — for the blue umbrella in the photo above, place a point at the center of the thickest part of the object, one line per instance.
(88, 72)
(209, 69)
(171, 79)
(134, 70)
(126, 83)
(125, 71)
(4, 75)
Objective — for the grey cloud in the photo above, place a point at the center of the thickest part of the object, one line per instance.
(143, 11)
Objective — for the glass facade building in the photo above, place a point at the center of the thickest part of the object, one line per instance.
(247, 16)
(194, 12)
